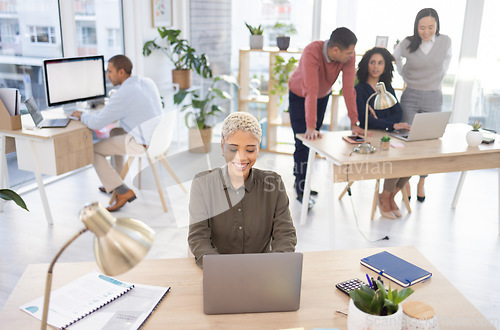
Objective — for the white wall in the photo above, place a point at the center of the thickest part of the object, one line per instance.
(138, 29)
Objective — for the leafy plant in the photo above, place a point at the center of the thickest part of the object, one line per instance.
(202, 107)
(284, 29)
(385, 139)
(182, 55)
(281, 74)
(380, 302)
(476, 125)
(10, 195)
(255, 30)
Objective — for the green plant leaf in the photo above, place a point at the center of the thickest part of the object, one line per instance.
(180, 96)
(11, 195)
(361, 300)
(402, 295)
(377, 303)
(389, 308)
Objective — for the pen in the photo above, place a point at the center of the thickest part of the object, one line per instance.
(369, 282)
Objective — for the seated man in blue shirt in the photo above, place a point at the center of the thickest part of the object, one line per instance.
(136, 104)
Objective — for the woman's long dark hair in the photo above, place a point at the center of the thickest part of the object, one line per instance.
(386, 76)
(415, 39)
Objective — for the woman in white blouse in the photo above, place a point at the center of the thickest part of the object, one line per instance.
(428, 55)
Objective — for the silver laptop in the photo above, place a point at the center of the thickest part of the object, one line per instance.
(425, 126)
(38, 119)
(251, 283)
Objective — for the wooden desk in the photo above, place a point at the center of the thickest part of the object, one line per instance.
(182, 308)
(51, 151)
(447, 154)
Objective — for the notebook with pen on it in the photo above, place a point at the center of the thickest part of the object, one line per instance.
(395, 269)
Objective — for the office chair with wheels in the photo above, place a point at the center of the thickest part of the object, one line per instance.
(156, 151)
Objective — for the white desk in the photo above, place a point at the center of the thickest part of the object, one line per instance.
(51, 151)
(447, 154)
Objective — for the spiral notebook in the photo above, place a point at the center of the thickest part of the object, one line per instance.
(78, 299)
(396, 269)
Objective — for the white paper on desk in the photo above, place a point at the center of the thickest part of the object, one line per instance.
(77, 299)
(11, 98)
(128, 312)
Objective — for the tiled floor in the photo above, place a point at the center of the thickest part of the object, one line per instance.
(463, 243)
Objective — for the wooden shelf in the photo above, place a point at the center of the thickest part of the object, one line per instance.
(272, 101)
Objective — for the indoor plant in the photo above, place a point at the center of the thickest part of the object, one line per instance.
(10, 195)
(256, 36)
(385, 142)
(283, 33)
(182, 55)
(378, 308)
(474, 137)
(281, 74)
(200, 109)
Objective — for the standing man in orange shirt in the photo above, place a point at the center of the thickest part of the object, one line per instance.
(310, 87)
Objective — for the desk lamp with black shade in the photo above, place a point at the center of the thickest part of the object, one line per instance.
(383, 100)
(119, 245)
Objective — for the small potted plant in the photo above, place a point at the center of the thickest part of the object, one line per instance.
(385, 142)
(376, 309)
(201, 109)
(474, 137)
(10, 195)
(256, 36)
(283, 33)
(182, 55)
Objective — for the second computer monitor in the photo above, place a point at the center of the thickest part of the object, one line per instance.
(75, 79)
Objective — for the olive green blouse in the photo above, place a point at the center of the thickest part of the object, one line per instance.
(252, 219)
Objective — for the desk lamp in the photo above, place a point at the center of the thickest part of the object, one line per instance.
(383, 100)
(119, 245)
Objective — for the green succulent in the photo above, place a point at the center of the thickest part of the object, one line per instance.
(255, 30)
(476, 125)
(380, 302)
(385, 139)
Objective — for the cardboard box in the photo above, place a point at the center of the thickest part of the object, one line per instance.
(7, 121)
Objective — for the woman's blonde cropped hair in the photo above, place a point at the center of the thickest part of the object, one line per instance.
(241, 121)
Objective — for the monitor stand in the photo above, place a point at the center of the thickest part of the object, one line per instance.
(69, 108)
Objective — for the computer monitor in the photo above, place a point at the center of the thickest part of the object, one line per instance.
(75, 79)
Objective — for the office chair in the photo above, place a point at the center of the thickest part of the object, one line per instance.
(156, 151)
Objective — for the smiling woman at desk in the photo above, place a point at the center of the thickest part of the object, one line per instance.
(237, 208)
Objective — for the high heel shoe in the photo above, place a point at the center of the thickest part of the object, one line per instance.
(397, 213)
(385, 214)
(421, 199)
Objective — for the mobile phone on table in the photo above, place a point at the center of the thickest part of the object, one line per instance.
(353, 139)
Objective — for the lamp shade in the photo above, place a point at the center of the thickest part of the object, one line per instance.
(119, 244)
(384, 99)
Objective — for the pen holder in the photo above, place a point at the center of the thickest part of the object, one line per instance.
(385, 143)
(419, 315)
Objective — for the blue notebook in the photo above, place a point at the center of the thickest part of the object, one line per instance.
(396, 269)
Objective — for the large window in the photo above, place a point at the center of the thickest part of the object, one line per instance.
(486, 98)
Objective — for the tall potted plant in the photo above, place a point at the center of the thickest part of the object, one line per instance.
(376, 309)
(200, 109)
(283, 33)
(256, 36)
(182, 55)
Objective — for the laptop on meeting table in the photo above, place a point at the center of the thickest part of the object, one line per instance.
(425, 126)
(38, 119)
(251, 283)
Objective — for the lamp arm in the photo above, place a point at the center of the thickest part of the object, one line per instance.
(366, 114)
(48, 283)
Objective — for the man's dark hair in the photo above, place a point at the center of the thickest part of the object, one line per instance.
(386, 76)
(122, 62)
(415, 39)
(342, 38)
